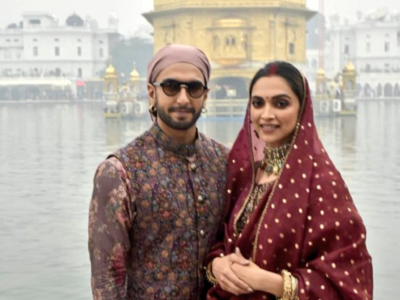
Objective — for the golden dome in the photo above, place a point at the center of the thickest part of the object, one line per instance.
(110, 70)
(349, 67)
(110, 73)
(134, 73)
(321, 72)
(160, 5)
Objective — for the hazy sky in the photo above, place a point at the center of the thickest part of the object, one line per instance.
(129, 11)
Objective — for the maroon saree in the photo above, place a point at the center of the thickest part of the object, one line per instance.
(306, 223)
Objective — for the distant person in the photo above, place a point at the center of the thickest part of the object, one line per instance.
(292, 229)
(157, 202)
(338, 94)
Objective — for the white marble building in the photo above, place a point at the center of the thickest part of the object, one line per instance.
(372, 44)
(42, 46)
(312, 67)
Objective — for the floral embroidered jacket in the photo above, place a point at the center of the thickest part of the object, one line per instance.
(154, 214)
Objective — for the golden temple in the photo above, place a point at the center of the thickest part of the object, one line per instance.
(238, 36)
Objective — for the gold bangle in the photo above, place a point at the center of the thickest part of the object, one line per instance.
(209, 275)
(287, 286)
(294, 288)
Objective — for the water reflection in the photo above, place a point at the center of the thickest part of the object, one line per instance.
(49, 152)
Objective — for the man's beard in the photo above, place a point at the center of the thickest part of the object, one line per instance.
(178, 125)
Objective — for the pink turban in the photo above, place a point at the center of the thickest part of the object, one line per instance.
(173, 54)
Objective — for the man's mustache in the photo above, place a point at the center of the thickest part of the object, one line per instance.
(182, 109)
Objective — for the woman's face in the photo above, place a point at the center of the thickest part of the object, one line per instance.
(274, 110)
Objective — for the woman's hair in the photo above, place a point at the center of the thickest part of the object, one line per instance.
(285, 70)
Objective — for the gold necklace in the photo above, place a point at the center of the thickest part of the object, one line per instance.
(255, 196)
(274, 159)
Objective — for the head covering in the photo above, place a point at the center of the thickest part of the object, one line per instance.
(307, 223)
(172, 54)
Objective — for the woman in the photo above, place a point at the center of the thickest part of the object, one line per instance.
(292, 230)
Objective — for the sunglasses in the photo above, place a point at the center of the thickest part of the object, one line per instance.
(171, 87)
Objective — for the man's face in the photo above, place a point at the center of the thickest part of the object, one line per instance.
(181, 111)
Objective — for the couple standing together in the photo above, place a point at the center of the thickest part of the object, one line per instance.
(176, 215)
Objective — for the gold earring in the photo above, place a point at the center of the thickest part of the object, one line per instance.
(152, 109)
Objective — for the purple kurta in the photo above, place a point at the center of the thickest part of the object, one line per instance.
(154, 214)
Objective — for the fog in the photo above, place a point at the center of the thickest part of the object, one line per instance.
(129, 11)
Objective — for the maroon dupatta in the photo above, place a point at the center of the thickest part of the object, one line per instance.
(307, 223)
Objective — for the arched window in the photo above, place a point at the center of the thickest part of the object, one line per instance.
(350, 85)
(367, 90)
(396, 92)
(227, 41)
(388, 90)
(230, 41)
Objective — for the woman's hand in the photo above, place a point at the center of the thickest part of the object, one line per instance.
(257, 278)
(248, 274)
(226, 277)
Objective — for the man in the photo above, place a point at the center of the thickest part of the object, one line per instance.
(157, 203)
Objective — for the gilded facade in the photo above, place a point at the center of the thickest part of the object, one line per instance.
(238, 36)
